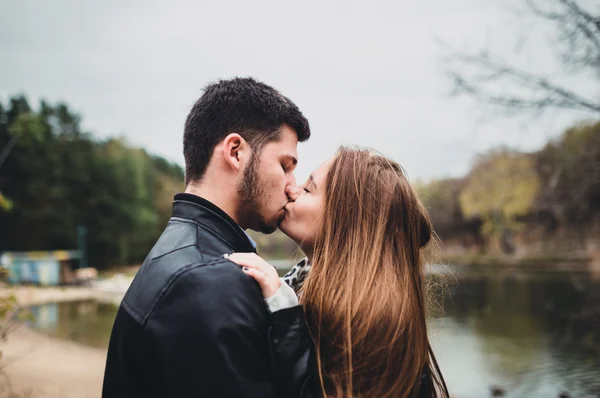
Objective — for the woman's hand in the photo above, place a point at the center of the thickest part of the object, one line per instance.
(264, 273)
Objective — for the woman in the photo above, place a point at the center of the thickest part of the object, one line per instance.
(363, 229)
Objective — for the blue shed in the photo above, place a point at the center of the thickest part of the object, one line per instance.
(40, 268)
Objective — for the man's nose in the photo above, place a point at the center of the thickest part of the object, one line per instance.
(293, 191)
(291, 180)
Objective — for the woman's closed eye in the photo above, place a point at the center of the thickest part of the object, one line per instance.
(305, 189)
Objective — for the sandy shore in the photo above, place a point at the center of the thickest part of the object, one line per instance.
(39, 366)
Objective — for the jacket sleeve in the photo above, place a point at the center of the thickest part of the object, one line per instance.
(292, 355)
(209, 335)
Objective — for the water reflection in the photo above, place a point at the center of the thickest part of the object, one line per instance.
(533, 334)
(87, 322)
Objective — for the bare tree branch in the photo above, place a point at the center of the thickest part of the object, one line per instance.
(552, 95)
(588, 20)
(491, 80)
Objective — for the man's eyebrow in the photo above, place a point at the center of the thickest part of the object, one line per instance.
(291, 159)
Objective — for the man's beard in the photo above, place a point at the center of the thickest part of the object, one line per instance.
(250, 191)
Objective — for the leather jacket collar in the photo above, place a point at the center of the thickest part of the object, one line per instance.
(210, 217)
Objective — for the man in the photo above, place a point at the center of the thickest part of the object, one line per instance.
(192, 324)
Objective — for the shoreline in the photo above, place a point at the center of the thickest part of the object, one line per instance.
(41, 366)
(525, 263)
(112, 290)
(37, 295)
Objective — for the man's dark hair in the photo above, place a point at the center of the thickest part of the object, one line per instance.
(241, 105)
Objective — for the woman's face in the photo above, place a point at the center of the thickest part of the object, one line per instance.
(304, 212)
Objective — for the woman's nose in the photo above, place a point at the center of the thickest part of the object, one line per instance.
(293, 191)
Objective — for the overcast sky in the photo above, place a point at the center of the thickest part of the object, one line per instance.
(363, 72)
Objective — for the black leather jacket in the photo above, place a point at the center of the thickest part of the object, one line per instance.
(193, 324)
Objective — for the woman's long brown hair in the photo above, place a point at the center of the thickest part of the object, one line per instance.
(365, 299)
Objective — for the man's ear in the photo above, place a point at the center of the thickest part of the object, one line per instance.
(235, 150)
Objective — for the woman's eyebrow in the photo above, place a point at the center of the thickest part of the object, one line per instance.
(311, 180)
